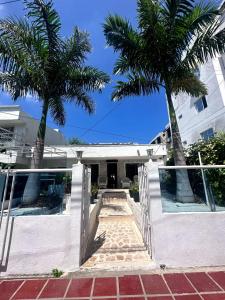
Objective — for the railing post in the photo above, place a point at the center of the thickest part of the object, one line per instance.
(76, 210)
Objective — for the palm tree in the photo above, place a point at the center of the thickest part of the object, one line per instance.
(173, 37)
(36, 59)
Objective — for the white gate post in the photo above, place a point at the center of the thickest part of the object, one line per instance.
(76, 209)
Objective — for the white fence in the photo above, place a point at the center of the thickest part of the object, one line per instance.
(36, 244)
(145, 205)
(188, 238)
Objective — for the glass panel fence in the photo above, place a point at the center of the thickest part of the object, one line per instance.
(192, 190)
(43, 193)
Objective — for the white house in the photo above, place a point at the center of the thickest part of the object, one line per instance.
(111, 162)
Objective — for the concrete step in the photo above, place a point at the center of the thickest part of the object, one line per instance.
(122, 249)
(116, 259)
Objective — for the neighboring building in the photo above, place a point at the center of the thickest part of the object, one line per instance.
(164, 137)
(18, 132)
(203, 117)
(24, 127)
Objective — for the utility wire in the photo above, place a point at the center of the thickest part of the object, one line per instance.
(83, 128)
(7, 2)
(103, 118)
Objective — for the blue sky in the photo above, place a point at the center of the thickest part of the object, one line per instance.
(135, 119)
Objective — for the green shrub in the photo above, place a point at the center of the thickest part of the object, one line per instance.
(57, 273)
(212, 153)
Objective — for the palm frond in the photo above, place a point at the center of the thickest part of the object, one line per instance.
(57, 110)
(174, 9)
(80, 98)
(46, 21)
(76, 48)
(188, 28)
(17, 85)
(188, 83)
(209, 43)
(134, 86)
(19, 45)
(89, 78)
(148, 13)
(120, 34)
(122, 65)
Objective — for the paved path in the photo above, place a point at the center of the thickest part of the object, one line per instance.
(179, 286)
(118, 243)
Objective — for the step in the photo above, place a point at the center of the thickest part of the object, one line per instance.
(111, 259)
(121, 249)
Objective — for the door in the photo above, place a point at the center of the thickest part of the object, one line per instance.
(112, 175)
(94, 173)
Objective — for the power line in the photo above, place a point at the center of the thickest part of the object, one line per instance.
(7, 2)
(103, 118)
(78, 127)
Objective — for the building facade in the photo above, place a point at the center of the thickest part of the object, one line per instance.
(18, 132)
(112, 164)
(203, 117)
(163, 137)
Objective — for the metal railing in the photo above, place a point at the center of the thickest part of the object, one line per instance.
(144, 193)
(13, 173)
(194, 188)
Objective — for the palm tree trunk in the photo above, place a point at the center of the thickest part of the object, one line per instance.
(184, 191)
(32, 188)
(36, 162)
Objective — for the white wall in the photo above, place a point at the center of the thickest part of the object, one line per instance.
(52, 137)
(185, 239)
(42, 243)
(103, 152)
(192, 123)
(25, 127)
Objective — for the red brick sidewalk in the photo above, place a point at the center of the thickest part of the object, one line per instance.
(182, 286)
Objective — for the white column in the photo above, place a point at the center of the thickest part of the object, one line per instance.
(76, 210)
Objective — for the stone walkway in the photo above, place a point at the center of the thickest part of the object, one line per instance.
(170, 286)
(118, 243)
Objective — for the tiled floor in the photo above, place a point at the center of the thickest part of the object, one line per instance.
(180, 286)
(118, 241)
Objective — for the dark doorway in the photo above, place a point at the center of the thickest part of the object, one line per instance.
(131, 171)
(94, 173)
(112, 175)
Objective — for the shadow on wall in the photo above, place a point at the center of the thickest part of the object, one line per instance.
(5, 249)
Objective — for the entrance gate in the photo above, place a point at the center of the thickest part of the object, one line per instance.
(144, 194)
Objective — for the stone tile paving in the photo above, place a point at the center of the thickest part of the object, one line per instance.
(178, 286)
(118, 242)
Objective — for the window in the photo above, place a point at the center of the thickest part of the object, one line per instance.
(131, 171)
(159, 140)
(94, 173)
(201, 104)
(207, 134)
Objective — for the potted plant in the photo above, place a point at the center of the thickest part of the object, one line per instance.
(134, 191)
(67, 183)
(94, 192)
